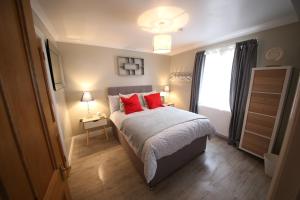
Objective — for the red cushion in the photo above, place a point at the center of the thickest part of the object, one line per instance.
(131, 104)
(153, 100)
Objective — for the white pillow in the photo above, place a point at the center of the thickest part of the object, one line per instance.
(127, 96)
(114, 103)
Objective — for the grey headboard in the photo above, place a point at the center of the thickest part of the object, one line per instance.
(129, 89)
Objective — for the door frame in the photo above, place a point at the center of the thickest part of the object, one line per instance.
(42, 37)
(285, 183)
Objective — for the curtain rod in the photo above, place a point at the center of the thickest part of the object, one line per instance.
(226, 43)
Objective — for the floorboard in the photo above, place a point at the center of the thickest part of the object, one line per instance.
(102, 170)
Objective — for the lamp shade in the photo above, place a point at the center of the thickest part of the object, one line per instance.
(162, 43)
(163, 19)
(166, 88)
(86, 97)
(163, 94)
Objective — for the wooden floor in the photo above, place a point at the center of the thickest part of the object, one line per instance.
(102, 170)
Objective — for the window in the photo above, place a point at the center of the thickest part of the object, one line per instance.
(215, 81)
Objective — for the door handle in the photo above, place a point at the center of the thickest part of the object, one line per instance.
(65, 172)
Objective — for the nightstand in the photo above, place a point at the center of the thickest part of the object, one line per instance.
(94, 122)
(169, 104)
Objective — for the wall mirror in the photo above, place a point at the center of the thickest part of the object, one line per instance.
(54, 60)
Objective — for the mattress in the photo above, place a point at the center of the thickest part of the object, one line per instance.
(166, 142)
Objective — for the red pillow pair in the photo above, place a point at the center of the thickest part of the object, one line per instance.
(153, 100)
(131, 104)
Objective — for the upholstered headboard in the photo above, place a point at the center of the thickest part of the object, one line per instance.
(129, 89)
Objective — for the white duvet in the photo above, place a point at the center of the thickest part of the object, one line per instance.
(167, 141)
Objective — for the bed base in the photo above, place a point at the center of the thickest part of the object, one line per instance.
(166, 165)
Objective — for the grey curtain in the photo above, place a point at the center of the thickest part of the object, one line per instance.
(244, 60)
(198, 66)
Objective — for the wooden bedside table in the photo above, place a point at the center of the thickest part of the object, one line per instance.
(169, 104)
(94, 122)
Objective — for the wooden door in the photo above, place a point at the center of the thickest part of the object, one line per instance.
(31, 159)
(286, 180)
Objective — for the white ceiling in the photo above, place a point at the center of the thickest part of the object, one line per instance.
(113, 23)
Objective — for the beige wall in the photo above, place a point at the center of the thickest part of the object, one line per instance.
(94, 69)
(286, 37)
(58, 97)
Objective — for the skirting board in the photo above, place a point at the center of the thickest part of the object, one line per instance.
(81, 136)
(219, 135)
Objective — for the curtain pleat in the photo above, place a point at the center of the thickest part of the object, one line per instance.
(245, 58)
(198, 68)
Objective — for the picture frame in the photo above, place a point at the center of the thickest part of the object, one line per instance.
(130, 66)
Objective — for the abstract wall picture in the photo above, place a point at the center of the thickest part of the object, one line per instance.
(128, 66)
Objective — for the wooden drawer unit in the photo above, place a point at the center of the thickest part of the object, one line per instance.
(266, 96)
(269, 81)
(264, 103)
(255, 144)
(261, 124)
(95, 123)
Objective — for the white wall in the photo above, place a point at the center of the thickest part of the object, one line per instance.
(58, 97)
(94, 68)
(219, 118)
(284, 37)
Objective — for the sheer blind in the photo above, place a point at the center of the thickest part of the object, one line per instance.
(215, 82)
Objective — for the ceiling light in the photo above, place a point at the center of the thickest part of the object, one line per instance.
(162, 43)
(165, 19)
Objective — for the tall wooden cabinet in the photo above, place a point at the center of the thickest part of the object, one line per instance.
(267, 93)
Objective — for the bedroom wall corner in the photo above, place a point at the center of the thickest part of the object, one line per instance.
(58, 97)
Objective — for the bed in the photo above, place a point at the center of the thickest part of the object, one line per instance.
(182, 139)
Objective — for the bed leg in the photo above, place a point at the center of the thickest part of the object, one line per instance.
(114, 131)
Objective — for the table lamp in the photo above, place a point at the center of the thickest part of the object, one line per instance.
(165, 92)
(166, 88)
(87, 97)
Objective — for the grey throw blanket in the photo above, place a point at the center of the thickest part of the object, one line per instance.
(139, 128)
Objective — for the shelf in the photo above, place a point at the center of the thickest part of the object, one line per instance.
(254, 143)
(257, 134)
(265, 102)
(248, 151)
(262, 114)
(258, 92)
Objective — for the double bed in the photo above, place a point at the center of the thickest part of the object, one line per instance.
(160, 140)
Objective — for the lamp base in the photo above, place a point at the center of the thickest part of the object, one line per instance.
(89, 116)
